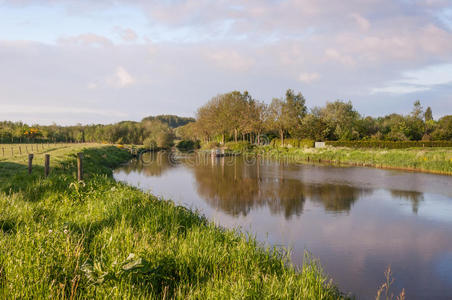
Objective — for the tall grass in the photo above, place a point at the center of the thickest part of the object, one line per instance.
(434, 160)
(103, 239)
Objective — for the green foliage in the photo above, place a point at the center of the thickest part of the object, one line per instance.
(187, 145)
(444, 129)
(389, 144)
(240, 147)
(210, 145)
(103, 239)
(293, 143)
(171, 120)
(428, 159)
(157, 134)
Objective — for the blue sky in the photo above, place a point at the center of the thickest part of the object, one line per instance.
(99, 62)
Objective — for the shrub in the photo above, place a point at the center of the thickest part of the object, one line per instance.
(388, 144)
(187, 145)
(293, 143)
(210, 145)
(241, 146)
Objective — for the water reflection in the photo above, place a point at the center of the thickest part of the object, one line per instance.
(236, 185)
(356, 220)
(414, 197)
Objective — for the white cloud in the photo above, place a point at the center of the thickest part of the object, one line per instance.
(362, 22)
(334, 55)
(399, 89)
(86, 39)
(126, 34)
(123, 78)
(308, 77)
(358, 48)
(420, 80)
(119, 79)
(55, 110)
(230, 60)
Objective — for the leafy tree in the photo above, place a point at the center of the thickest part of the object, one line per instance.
(428, 115)
(341, 118)
(443, 130)
(286, 114)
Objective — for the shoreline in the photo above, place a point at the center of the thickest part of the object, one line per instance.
(424, 161)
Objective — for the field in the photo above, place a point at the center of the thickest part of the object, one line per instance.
(101, 239)
(432, 160)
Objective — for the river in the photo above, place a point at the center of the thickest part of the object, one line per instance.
(357, 221)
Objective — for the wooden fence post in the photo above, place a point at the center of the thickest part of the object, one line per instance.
(30, 162)
(47, 165)
(20, 150)
(80, 166)
(12, 151)
(3, 151)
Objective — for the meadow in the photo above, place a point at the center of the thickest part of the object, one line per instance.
(99, 238)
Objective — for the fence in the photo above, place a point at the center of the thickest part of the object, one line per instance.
(20, 150)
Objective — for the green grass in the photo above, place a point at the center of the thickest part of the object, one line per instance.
(433, 160)
(102, 239)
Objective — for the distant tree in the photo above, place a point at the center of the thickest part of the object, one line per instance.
(313, 127)
(443, 130)
(341, 118)
(172, 121)
(286, 114)
(428, 115)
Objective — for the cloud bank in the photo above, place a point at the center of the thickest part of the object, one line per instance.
(149, 57)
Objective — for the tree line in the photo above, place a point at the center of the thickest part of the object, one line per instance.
(155, 131)
(238, 116)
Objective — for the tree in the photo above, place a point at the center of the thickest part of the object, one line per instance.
(428, 116)
(443, 129)
(313, 127)
(286, 115)
(341, 118)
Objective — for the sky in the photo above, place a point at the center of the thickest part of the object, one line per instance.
(103, 61)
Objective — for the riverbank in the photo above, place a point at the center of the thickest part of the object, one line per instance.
(102, 239)
(431, 160)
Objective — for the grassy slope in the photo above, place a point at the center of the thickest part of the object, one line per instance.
(434, 160)
(103, 239)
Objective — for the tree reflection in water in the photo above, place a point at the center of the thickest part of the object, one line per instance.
(235, 187)
(414, 197)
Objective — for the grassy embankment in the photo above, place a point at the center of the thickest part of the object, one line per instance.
(432, 160)
(102, 239)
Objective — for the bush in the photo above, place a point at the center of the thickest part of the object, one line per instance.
(293, 143)
(388, 144)
(187, 145)
(210, 145)
(239, 146)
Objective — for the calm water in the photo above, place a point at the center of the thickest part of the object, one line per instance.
(356, 220)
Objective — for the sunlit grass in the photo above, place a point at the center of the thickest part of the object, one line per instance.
(435, 160)
(103, 239)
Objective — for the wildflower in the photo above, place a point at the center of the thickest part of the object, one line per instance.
(50, 230)
(65, 231)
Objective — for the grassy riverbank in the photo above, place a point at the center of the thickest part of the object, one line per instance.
(103, 239)
(433, 160)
